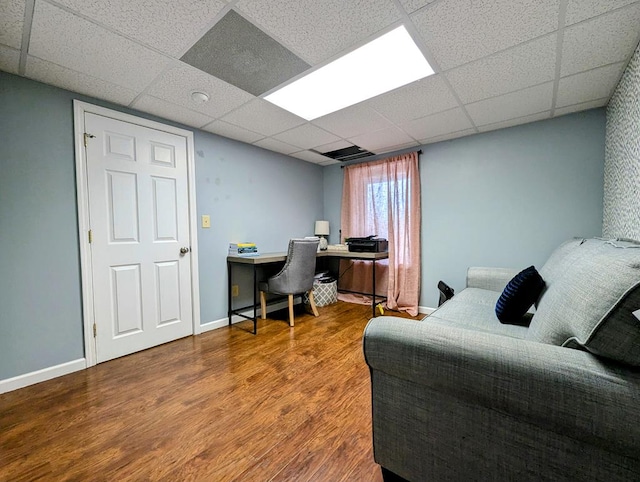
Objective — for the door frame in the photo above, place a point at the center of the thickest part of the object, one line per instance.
(81, 108)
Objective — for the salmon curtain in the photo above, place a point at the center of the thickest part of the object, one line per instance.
(383, 198)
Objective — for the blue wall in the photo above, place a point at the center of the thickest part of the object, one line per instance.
(40, 296)
(332, 182)
(250, 194)
(505, 198)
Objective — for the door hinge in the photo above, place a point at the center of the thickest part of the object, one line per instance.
(87, 136)
(95, 330)
(90, 236)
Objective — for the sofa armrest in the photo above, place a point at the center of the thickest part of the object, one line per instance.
(494, 279)
(567, 391)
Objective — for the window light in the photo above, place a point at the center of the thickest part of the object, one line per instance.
(384, 64)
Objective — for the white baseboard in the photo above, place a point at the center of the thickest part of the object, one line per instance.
(214, 325)
(425, 310)
(45, 374)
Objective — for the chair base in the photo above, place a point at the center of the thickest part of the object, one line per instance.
(263, 306)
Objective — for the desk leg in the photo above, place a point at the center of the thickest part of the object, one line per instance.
(373, 302)
(229, 291)
(255, 300)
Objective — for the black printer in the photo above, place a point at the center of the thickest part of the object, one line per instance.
(368, 244)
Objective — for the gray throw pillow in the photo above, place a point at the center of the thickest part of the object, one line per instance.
(589, 302)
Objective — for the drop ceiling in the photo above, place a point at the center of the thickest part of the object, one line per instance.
(498, 63)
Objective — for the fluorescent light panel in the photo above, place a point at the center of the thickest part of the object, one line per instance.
(384, 64)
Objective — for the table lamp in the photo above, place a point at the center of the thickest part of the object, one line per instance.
(322, 230)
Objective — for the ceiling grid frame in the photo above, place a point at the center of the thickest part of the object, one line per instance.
(389, 14)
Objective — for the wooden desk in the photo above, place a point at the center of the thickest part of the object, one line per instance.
(270, 258)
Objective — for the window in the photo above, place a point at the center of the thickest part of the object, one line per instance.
(383, 198)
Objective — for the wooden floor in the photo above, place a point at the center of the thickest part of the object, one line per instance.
(287, 404)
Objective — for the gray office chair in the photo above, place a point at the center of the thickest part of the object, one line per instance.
(296, 276)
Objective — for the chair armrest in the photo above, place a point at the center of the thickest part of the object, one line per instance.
(494, 279)
(564, 390)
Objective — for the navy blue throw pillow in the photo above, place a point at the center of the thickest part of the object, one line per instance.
(519, 294)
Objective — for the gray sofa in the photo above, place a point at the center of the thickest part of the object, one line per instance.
(461, 396)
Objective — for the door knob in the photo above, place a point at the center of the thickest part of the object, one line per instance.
(184, 251)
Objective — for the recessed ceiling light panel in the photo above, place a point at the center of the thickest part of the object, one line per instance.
(384, 64)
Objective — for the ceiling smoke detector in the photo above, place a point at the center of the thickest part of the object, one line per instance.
(199, 97)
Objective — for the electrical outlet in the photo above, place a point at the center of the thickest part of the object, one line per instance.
(206, 221)
(235, 290)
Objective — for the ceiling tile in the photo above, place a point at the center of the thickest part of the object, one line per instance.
(424, 97)
(9, 59)
(176, 85)
(514, 69)
(307, 136)
(53, 74)
(411, 6)
(579, 10)
(334, 146)
(170, 26)
(276, 145)
(352, 121)
(515, 122)
(233, 132)
(310, 156)
(328, 162)
(11, 22)
(72, 42)
(238, 52)
(451, 135)
(603, 40)
(164, 109)
(317, 30)
(399, 147)
(453, 120)
(510, 106)
(496, 57)
(460, 31)
(380, 140)
(580, 107)
(263, 117)
(590, 85)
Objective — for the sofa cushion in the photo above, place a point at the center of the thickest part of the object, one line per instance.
(589, 301)
(561, 257)
(474, 308)
(617, 335)
(519, 294)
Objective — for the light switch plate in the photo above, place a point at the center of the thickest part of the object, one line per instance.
(206, 221)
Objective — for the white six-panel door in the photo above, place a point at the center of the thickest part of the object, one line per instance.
(139, 219)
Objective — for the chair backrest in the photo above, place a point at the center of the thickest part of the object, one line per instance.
(297, 274)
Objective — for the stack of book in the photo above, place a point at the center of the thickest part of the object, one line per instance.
(243, 249)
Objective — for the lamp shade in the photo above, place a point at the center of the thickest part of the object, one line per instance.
(322, 228)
